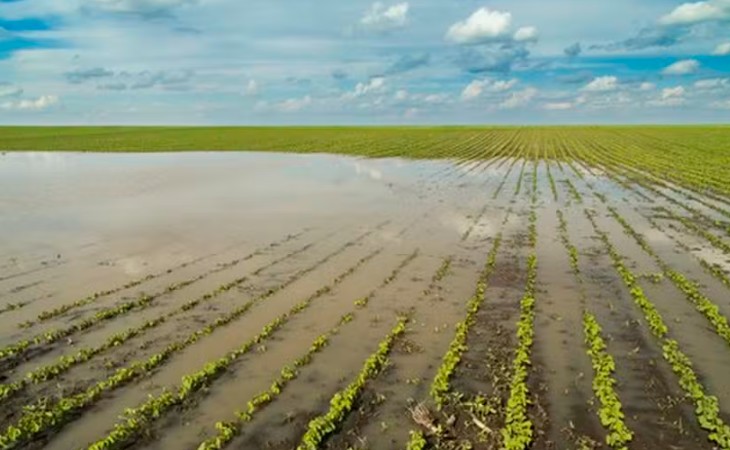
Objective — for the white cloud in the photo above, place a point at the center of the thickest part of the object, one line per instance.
(380, 17)
(722, 49)
(558, 106)
(503, 85)
(401, 95)
(647, 86)
(375, 84)
(683, 67)
(473, 89)
(38, 104)
(673, 96)
(519, 98)
(674, 92)
(476, 87)
(712, 83)
(483, 25)
(526, 34)
(295, 104)
(435, 98)
(252, 88)
(602, 84)
(691, 13)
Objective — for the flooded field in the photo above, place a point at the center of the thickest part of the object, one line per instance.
(249, 300)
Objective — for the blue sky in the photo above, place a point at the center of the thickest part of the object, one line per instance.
(363, 62)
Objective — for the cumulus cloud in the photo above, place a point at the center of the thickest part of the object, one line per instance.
(295, 104)
(519, 99)
(82, 75)
(384, 18)
(698, 12)
(375, 84)
(526, 34)
(573, 50)
(680, 24)
(37, 104)
(722, 49)
(558, 106)
(602, 84)
(407, 63)
(647, 86)
(483, 25)
(672, 96)
(683, 67)
(477, 87)
(473, 90)
(712, 84)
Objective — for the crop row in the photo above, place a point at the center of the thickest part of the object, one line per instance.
(343, 401)
(711, 238)
(573, 191)
(504, 180)
(64, 363)
(51, 313)
(713, 270)
(12, 306)
(707, 408)
(136, 419)
(42, 416)
(228, 430)
(441, 382)
(610, 412)
(518, 188)
(18, 349)
(517, 433)
(690, 289)
(553, 188)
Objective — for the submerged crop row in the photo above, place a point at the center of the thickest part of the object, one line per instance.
(707, 408)
(228, 430)
(42, 416)
(517, 433)
(142, 302)
(610, 412)
(441, 385)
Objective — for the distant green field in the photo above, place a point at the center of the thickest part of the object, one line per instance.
(692, 155)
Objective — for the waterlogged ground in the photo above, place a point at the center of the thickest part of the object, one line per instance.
(204, 300)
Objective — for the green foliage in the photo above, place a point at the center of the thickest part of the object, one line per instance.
(707, 409)
(610, 413)
(441, 385)
(416, 441)
(41, 416)
(343, 401)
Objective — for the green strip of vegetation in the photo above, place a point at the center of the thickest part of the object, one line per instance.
(343, 401)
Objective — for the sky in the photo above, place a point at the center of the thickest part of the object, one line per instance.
(282, 62)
